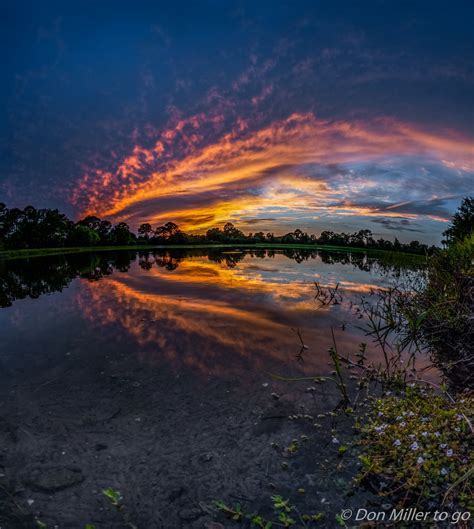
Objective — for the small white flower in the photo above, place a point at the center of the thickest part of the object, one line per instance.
(411, 436)
(424, 434)
(380, 414)
(335, 440)
(449, 452)
(464, 461)
(424, 419)
(410, 414)
(443, 445)
(459, 417)
(420, 461)
(457, 429)
(444, 471)
(399, 418)
(437, 434)
(414, 446)
(403, 424)
(397, 442)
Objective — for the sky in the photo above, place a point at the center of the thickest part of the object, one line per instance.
(271, 115)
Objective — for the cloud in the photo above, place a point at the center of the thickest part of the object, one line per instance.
(397, 225)
(251, 222)
(198, 174)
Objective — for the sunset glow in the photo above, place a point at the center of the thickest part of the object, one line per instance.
(298, 166)
(293, 116)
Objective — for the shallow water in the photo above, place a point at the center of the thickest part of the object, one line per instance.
(150, 373)
(217, 313)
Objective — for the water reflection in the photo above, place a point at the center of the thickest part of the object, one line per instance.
(20, 278)
(212, 311)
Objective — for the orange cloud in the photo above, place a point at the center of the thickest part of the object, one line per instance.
(181, 166)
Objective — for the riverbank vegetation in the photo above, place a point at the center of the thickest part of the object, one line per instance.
(31, 228)
(411, 433)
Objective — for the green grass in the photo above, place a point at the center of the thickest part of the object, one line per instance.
(40, 252)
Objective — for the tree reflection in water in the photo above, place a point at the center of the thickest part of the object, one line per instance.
(21, 278)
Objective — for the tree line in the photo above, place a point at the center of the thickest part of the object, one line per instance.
(49, 228)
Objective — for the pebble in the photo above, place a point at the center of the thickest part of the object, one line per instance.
(189, 515)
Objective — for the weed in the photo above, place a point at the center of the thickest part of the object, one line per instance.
(287, 515)
(418, 448)
(116, 499)
(234, 512)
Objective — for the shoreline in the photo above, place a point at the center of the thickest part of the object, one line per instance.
(42, 252)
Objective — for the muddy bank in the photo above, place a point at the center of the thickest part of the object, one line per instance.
(170, 443)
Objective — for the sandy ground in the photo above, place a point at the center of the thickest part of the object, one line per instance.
(171, 444)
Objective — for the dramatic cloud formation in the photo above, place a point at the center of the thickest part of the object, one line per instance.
(298, 166)
(304, 114)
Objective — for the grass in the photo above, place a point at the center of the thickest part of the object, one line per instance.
(41, 252)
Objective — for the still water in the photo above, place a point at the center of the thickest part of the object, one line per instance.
(218, 312)
(151, 373)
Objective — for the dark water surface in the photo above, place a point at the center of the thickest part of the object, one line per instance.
(150, 373)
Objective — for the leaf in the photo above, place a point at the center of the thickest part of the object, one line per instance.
(114, 496)
(342, 450)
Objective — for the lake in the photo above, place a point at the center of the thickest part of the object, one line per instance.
(152, 373)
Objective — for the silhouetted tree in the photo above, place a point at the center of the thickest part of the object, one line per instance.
(214, 235)
(83, 236)
(462, 223)
(145, 230)
(232, 233)
(32, 228)
(121, 234)
(166, 231)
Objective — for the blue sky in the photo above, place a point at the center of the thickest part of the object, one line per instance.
(274, 115)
